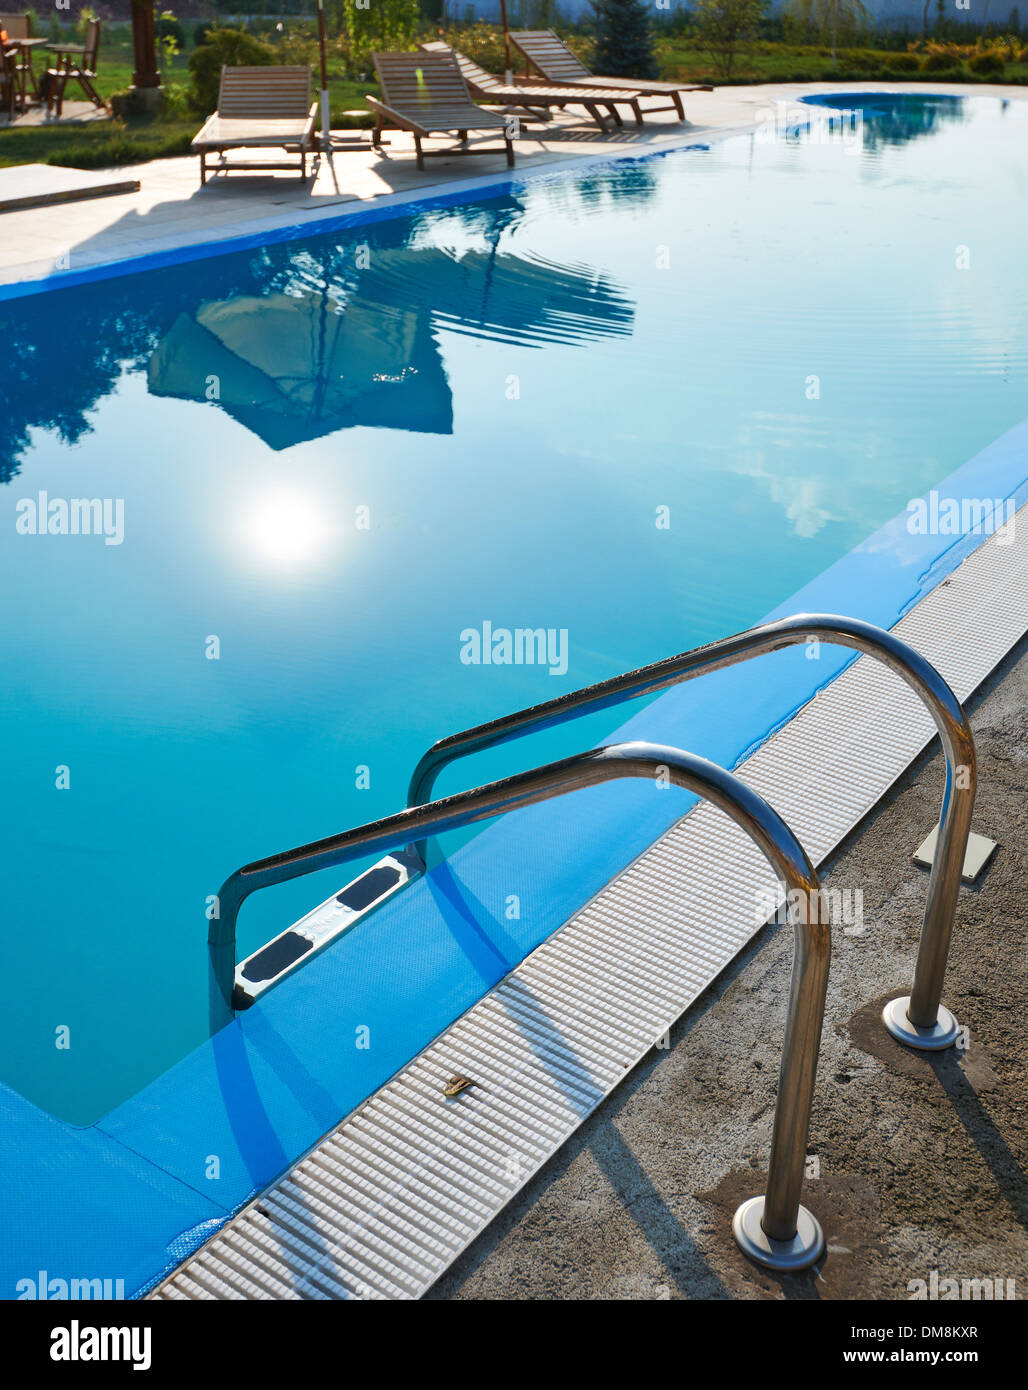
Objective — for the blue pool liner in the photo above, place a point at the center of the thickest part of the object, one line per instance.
(133, 1194)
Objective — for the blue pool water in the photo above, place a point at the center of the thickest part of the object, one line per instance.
(475, 413)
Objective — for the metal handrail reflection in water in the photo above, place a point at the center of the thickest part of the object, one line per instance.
(774, 1229)
(919, 1020)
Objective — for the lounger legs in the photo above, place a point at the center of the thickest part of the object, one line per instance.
(676, 97)
(510, 151)
(421, 155)
(203, 167)
(303, 166)
(637, 113)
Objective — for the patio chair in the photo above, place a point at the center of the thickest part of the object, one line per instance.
(426, 94)
(19, 26)
(9, 81)
(16, 26)
(268, 107)
(74, 65)
(531, 100)
(556, 64)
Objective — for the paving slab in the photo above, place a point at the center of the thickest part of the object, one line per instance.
(42, 185)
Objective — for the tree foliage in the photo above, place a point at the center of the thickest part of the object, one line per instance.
(624, 39)
(725, 28)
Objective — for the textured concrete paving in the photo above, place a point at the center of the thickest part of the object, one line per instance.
(921, 1160)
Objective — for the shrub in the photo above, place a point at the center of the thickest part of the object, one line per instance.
(942, 63)
(224, 47)
(902, 62)
(168, 27)
(483, 43)
(299, 44)
(987, 65)
(390, 26)
(1009, 47)
(202, 32)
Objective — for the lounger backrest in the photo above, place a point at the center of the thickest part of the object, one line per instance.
(271, 93)
(92, 46)
(476, 76)
(549, 55)
(18, 26)
(420, 81)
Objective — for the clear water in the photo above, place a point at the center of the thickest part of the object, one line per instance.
(511, 389)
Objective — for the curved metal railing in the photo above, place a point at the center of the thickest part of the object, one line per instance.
(923, 1007)
(785, 1235)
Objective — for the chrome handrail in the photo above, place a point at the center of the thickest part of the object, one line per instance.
(918, 1021)
(775, 1229)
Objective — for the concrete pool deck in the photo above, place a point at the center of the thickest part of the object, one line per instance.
(921, 1159)
(171, 211)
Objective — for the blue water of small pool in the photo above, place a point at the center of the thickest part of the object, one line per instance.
(641, 403)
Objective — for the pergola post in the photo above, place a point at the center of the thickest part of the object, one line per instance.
(144, 46)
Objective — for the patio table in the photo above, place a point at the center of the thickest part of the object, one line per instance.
(25, 48)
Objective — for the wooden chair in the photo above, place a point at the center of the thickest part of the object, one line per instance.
(555, 63)
(531, 100)
(9, 81)
(19, 26)
(16, 26)
(426, 94)
(74, 65)
(263, 108)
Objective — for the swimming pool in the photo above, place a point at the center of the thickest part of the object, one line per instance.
(636, 407)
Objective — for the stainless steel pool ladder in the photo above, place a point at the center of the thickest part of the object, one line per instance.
(918, 1019)
(774, 1229)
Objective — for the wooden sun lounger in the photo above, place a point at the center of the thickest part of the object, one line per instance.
(556, 64)
(267, 107)
(426, 94)
(530, 100)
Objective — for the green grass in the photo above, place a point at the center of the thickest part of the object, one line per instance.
(93, 145)
(682, 60)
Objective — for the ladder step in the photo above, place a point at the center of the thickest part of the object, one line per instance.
(269, 965)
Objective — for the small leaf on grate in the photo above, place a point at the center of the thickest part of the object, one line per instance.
(456, 1084)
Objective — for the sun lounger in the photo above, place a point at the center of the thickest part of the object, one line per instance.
(533, 99)
(556, 64)
(426, 94)
(267, 107)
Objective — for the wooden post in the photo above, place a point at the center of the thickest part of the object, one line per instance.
(144, 46)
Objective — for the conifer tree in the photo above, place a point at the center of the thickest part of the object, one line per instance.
(624, 39)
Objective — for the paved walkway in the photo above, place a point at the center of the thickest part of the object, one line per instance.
(72, 113)
(171, 210)
(920, 1160)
